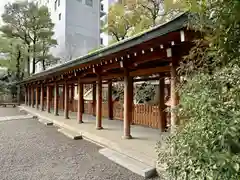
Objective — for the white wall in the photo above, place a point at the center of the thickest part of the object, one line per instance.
(78, 31)
(82, 27)
(60, 25)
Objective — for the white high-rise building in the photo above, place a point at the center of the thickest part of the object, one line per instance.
(77, 26)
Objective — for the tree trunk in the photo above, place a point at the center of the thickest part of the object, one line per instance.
(28, 61)
(18, 65)
(34, 57)
(18, 76)
(43, 65)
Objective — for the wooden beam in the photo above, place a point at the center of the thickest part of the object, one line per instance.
(111, 66)
(149, 71)
(146, 79)
(109, 76)
(151, 56)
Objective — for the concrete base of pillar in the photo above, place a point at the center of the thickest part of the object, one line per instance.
(127, 137)
(71, 134)
(133, 165)
(46, 122)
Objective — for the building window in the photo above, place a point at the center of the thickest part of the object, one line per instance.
(59, 2)
(89, 2)
(60, 16)
(101, 41)
(55, 5)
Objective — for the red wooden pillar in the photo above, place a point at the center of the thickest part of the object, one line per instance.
(42, 98)
(72, 91)
(48, 99)
(29, 95)
(63, 96)
(56, 94)
(37, 97)
(26, 94)
(161, 106)
(94, 100)
(174, 96)
(51, 97)
(110, 102)
(99, 104)
(66, 99)
(72, 97)
(128, 104)
(80, 102)
(32, 96)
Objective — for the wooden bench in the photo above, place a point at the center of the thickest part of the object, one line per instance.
(10, 104)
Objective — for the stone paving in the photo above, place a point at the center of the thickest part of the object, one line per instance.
(32, 151)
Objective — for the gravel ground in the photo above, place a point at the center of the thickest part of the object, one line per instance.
(9, 111)
(32, 151)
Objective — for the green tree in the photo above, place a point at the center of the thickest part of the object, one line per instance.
(14, 58)
(207, 144)
(120, 21)
(31, 24)
(144, 92)
(41, 32)
(152, 9)
(14, 51)
(132, 17)
(15, 25)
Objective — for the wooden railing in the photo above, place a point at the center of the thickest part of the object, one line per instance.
(143, 114)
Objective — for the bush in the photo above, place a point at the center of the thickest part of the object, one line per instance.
(208, 145)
